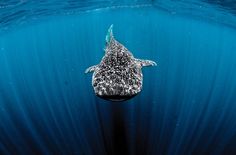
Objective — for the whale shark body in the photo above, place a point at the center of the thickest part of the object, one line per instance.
(118, 76)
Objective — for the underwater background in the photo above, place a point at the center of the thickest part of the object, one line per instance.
(188, 101)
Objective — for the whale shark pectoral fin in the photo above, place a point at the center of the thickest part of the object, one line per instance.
(109, 35)
(91, 69)
(144, 63)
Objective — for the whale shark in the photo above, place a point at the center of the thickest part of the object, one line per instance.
(118, 77)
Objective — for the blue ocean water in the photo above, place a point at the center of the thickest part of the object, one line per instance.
(188, 101)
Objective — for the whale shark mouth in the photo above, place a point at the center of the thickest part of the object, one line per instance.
(116, 98)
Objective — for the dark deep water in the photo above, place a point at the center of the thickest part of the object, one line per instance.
(188, 102)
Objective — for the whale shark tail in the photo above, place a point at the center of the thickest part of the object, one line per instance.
(109, 35)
